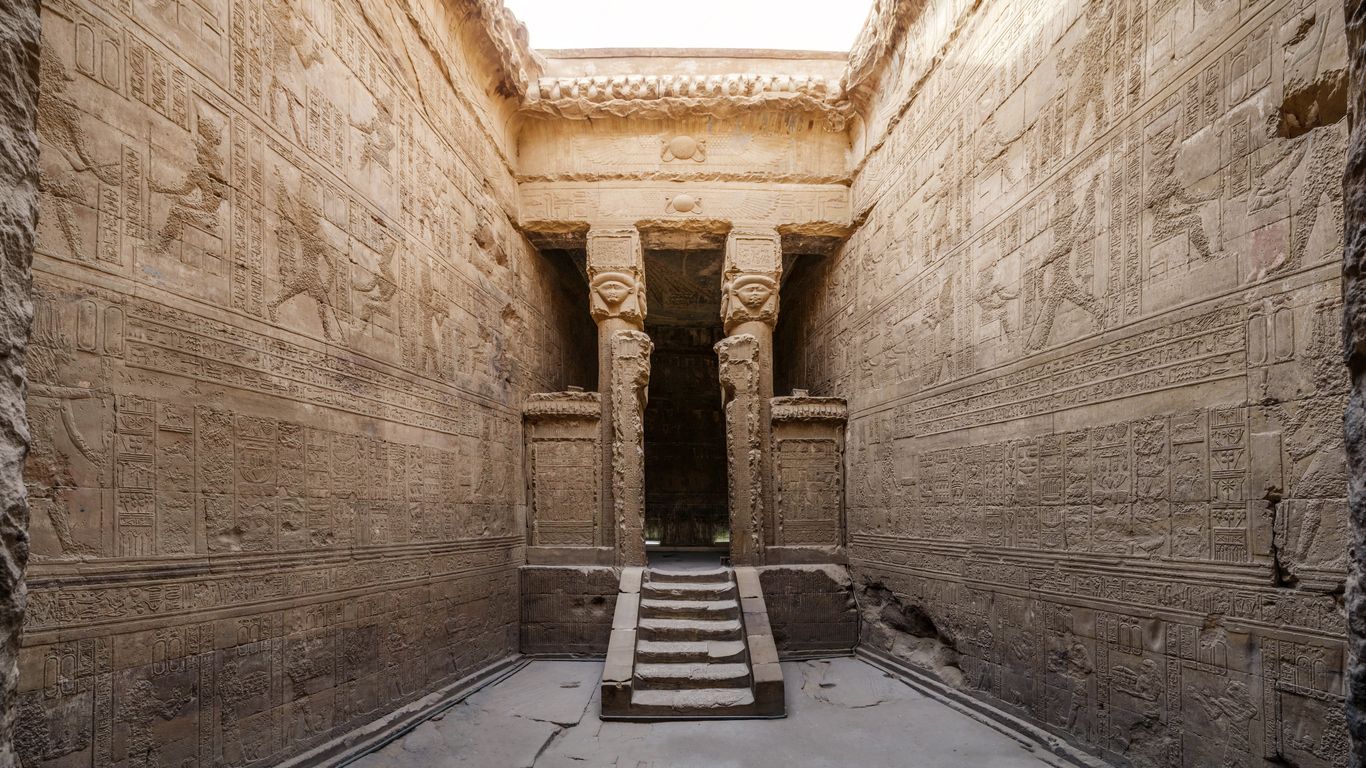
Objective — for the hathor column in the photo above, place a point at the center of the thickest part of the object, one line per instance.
(749, 311)
(617, 300)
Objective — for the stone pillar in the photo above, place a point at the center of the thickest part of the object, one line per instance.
(617, 301)
(749, 311)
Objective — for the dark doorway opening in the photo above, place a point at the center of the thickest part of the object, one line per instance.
(685, 431)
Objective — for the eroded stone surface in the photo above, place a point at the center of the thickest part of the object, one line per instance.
(19, 60)
(1354, 343)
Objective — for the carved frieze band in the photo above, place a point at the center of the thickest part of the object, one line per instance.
(630, 374)
(672, 96)
(549, 406)
(807, 408)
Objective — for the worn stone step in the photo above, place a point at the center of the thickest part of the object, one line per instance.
(680, 676)
(720, 651)
(701, 702)
(700, 590)
(689, 609)
(715, 575)
(688, 629)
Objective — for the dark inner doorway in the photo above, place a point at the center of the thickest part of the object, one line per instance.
(685, 432)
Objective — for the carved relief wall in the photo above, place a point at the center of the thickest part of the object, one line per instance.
(1088, 331)
(284, 328)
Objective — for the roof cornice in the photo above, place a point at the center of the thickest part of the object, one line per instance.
(521, 76)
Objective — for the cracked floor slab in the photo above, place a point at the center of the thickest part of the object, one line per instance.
(841, 712)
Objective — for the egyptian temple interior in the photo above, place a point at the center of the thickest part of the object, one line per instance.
(397, 393)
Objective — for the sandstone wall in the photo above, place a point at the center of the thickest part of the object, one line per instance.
(284, 328)
(567, 610)
(1088, 331)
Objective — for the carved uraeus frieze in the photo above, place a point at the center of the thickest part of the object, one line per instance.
(656, 97)
(564, 456)
(740, 372)
(630, 377)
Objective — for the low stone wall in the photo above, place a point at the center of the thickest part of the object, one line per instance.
(811, 608)
(568, 609)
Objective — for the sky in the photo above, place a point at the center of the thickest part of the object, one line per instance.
(813, 25)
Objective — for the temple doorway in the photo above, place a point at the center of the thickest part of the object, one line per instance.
(685, 431)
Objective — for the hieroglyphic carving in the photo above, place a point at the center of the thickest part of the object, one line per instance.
(630, 377)
(740, 370)
(565, 468)
(269, 335)
(1077, 321)
(808, 471)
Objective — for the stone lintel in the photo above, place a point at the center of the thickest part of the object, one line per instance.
(561, 208)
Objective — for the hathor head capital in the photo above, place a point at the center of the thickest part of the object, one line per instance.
(617, 294)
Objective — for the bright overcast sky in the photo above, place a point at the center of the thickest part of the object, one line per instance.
(813, 25)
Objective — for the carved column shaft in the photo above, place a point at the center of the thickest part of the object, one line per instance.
(740, 372)
(749, 311)
(617, 303)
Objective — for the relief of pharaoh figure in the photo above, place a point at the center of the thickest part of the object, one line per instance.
(617, 295)
(59, 125)
(301, 227)
(201, 194)
(749, 298)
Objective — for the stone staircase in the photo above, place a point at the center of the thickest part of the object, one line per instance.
(691, 645)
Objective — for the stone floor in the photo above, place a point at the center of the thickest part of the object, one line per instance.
(841, 712)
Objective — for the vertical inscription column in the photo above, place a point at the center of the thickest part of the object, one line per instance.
(749, 311)
(617, 301)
